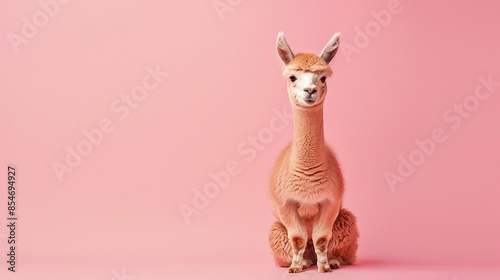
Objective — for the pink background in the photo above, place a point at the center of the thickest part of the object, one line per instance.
(120, 206)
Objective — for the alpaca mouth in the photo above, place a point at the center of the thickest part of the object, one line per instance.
(312, 98)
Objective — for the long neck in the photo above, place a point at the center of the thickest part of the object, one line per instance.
(308, 147)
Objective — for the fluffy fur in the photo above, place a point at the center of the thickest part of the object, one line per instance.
(307, 185)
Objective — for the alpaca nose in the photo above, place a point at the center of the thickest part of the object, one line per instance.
(310, 90)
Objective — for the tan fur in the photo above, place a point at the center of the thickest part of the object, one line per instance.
(307, 185)
(308, 62)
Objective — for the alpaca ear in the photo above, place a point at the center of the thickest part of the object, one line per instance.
(284, 50)
(331, 48)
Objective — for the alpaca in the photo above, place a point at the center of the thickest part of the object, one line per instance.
(307, 186)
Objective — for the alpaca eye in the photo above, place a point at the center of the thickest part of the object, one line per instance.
(323, 79)
(293, 78)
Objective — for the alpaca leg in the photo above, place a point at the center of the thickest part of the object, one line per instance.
(281, 248)
(322, 235)
(297, 236)
(344, 244)
(298, 242)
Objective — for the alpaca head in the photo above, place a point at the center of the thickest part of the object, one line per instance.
(306, 73)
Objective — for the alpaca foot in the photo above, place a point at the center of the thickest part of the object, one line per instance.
(296, 268)
(334, 264)
(324, 267)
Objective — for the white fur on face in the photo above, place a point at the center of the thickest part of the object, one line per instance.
(308, 89)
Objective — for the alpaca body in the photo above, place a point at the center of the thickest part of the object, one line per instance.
(307, 188)
(307, 185)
